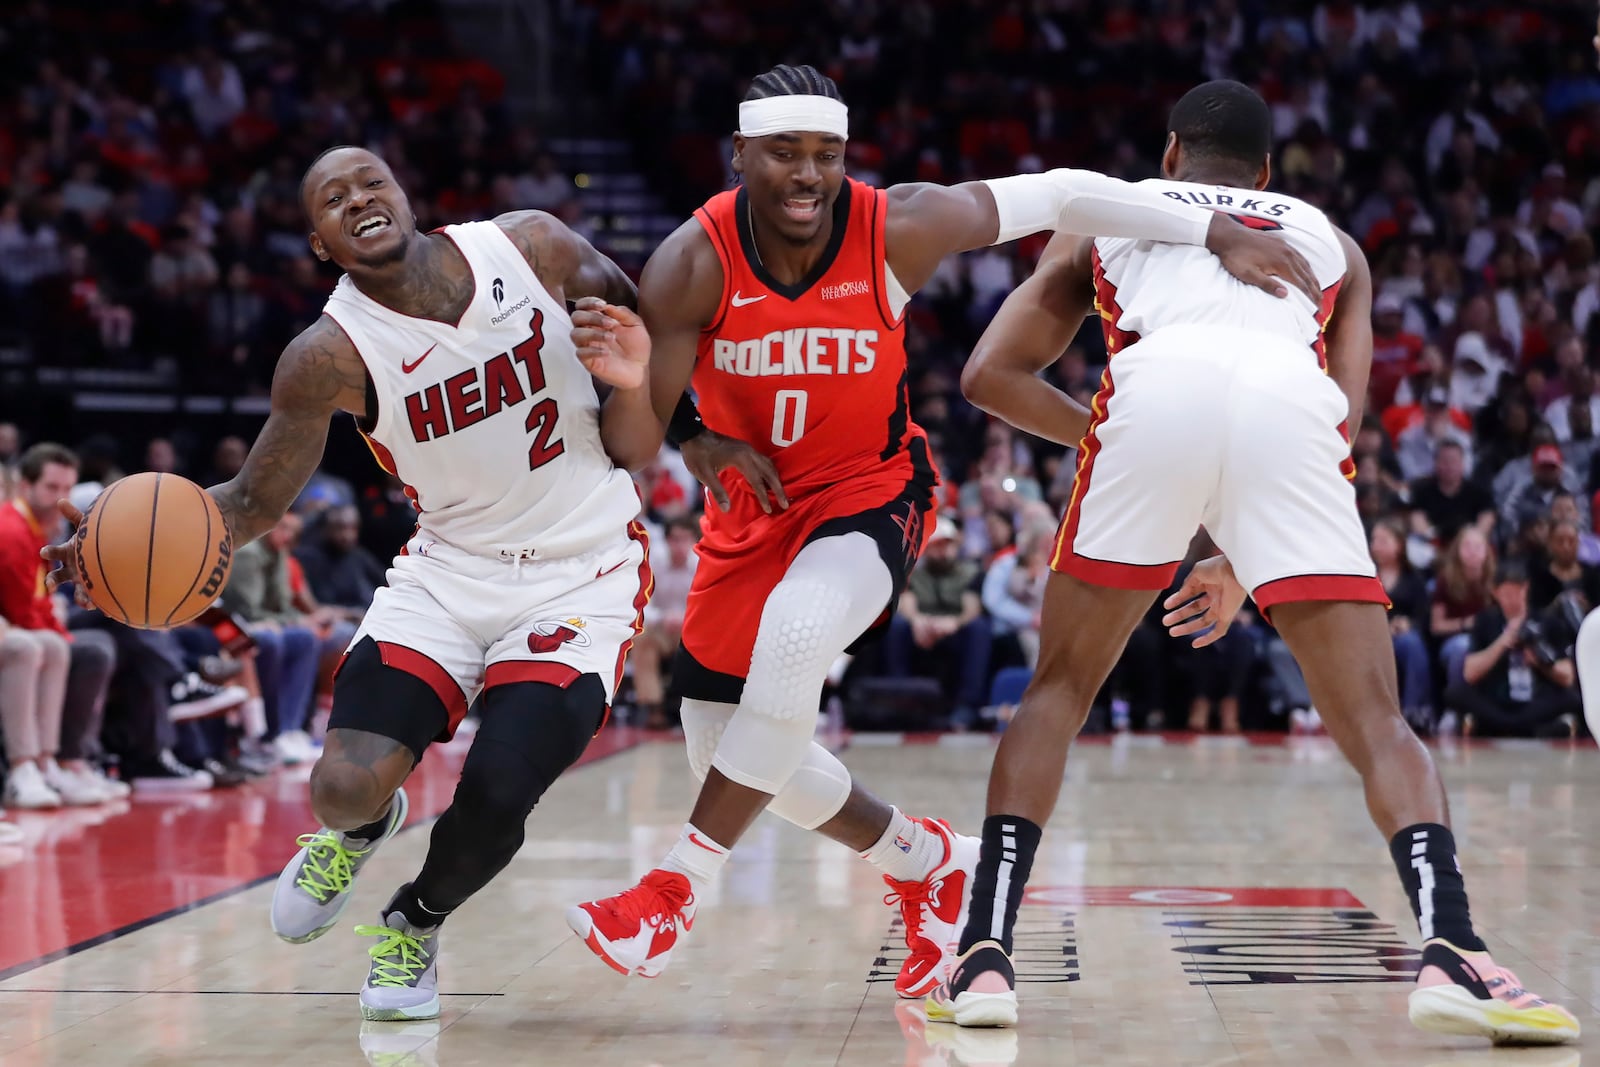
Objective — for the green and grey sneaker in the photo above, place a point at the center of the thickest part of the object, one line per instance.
(315, 886)
(403, 983)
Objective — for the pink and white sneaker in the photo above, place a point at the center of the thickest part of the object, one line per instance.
(1460, 992)
(934, 910)
(636, 930)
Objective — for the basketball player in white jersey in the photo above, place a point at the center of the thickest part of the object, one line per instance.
(1223, 407)
(528, 573)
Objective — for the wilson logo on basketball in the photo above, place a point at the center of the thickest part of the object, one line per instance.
(219, 570)
(550, 636)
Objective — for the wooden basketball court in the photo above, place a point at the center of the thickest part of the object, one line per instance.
(1207, 903)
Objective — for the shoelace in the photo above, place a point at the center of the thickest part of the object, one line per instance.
(910, 896)
(328, 867)
(397, 960)
(652, 901)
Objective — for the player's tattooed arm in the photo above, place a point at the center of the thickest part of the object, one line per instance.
(1031, 330)
(319, 374)
(1349, 332)
(565, 262)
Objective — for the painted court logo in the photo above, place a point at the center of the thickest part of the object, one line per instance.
(551, 635)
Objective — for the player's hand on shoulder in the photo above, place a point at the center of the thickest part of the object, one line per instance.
(1207, 604)
(63, 554)
(1261, 258)
(612, 342)
(708, 453)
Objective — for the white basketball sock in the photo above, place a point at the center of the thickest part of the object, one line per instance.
(696, 856)
(908, 851)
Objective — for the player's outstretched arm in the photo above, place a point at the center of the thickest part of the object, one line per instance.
(319, 374)
(1033, 327)
(1349, 331)
(928, 222)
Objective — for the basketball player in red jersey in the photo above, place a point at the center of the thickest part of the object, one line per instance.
(784, 301)
(1278, 379)
(526, 578)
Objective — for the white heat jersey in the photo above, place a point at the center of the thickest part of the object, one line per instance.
(491, 422)
(1142, 286)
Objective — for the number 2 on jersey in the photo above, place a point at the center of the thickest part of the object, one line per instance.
(788, 417)
(542, 416)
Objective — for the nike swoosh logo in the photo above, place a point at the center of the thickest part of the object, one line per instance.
(407, 368)
(740, 302)
(695, 839)
(601, 574)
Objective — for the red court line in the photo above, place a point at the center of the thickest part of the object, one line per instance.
(85, 876)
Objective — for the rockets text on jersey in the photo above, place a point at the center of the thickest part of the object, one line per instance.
(812, 374)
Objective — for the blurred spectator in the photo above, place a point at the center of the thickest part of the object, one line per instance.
(289, 650)
(340, 572)
(1561, 571)
(149, 671)
(1532, 500)
(1013, 589)
(1418, 444)
(1408, 617)
(1516, 682)
(1464, 588)
(1445, 502)
(388, 518)
(940, 623)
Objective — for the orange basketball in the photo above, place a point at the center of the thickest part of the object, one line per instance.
(153, 551)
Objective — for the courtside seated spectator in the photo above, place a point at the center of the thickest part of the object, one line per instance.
(941, 623)
(1519, 679)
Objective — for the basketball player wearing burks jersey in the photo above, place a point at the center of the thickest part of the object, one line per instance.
(1224, 409)
(527, 576)
(784, 301)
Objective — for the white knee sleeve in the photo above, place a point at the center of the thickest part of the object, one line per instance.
(831, 593)
(1587, 655)
(703, 723)
(814, 793)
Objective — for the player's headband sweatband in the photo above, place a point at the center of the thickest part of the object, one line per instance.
(794, 114)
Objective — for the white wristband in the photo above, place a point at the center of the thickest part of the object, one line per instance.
(1092, 204)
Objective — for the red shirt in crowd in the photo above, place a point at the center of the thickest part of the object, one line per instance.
(23, 600)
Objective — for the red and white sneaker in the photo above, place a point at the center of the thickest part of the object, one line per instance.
(636, 931)
(1460, 992)
(934, 910)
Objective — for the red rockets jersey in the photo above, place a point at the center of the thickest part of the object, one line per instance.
(813, 375)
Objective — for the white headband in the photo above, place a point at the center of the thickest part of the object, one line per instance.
(794, 114)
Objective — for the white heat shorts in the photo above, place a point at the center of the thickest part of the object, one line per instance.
(1236, 430)
(463, 622)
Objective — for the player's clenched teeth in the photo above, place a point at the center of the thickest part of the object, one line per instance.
(802, 209)
(369, 226)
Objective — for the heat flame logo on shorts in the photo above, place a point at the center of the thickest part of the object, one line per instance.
(550, 636)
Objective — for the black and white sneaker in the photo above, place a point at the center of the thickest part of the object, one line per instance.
(165, 773)
(194, 698)
(222, 775)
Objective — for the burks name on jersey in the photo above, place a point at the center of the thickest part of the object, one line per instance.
(470, 396)
(1229, 199)
(805, 350)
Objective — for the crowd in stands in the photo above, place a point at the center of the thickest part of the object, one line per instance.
(149, 217)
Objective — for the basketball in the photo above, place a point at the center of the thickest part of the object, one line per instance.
(153, 551)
